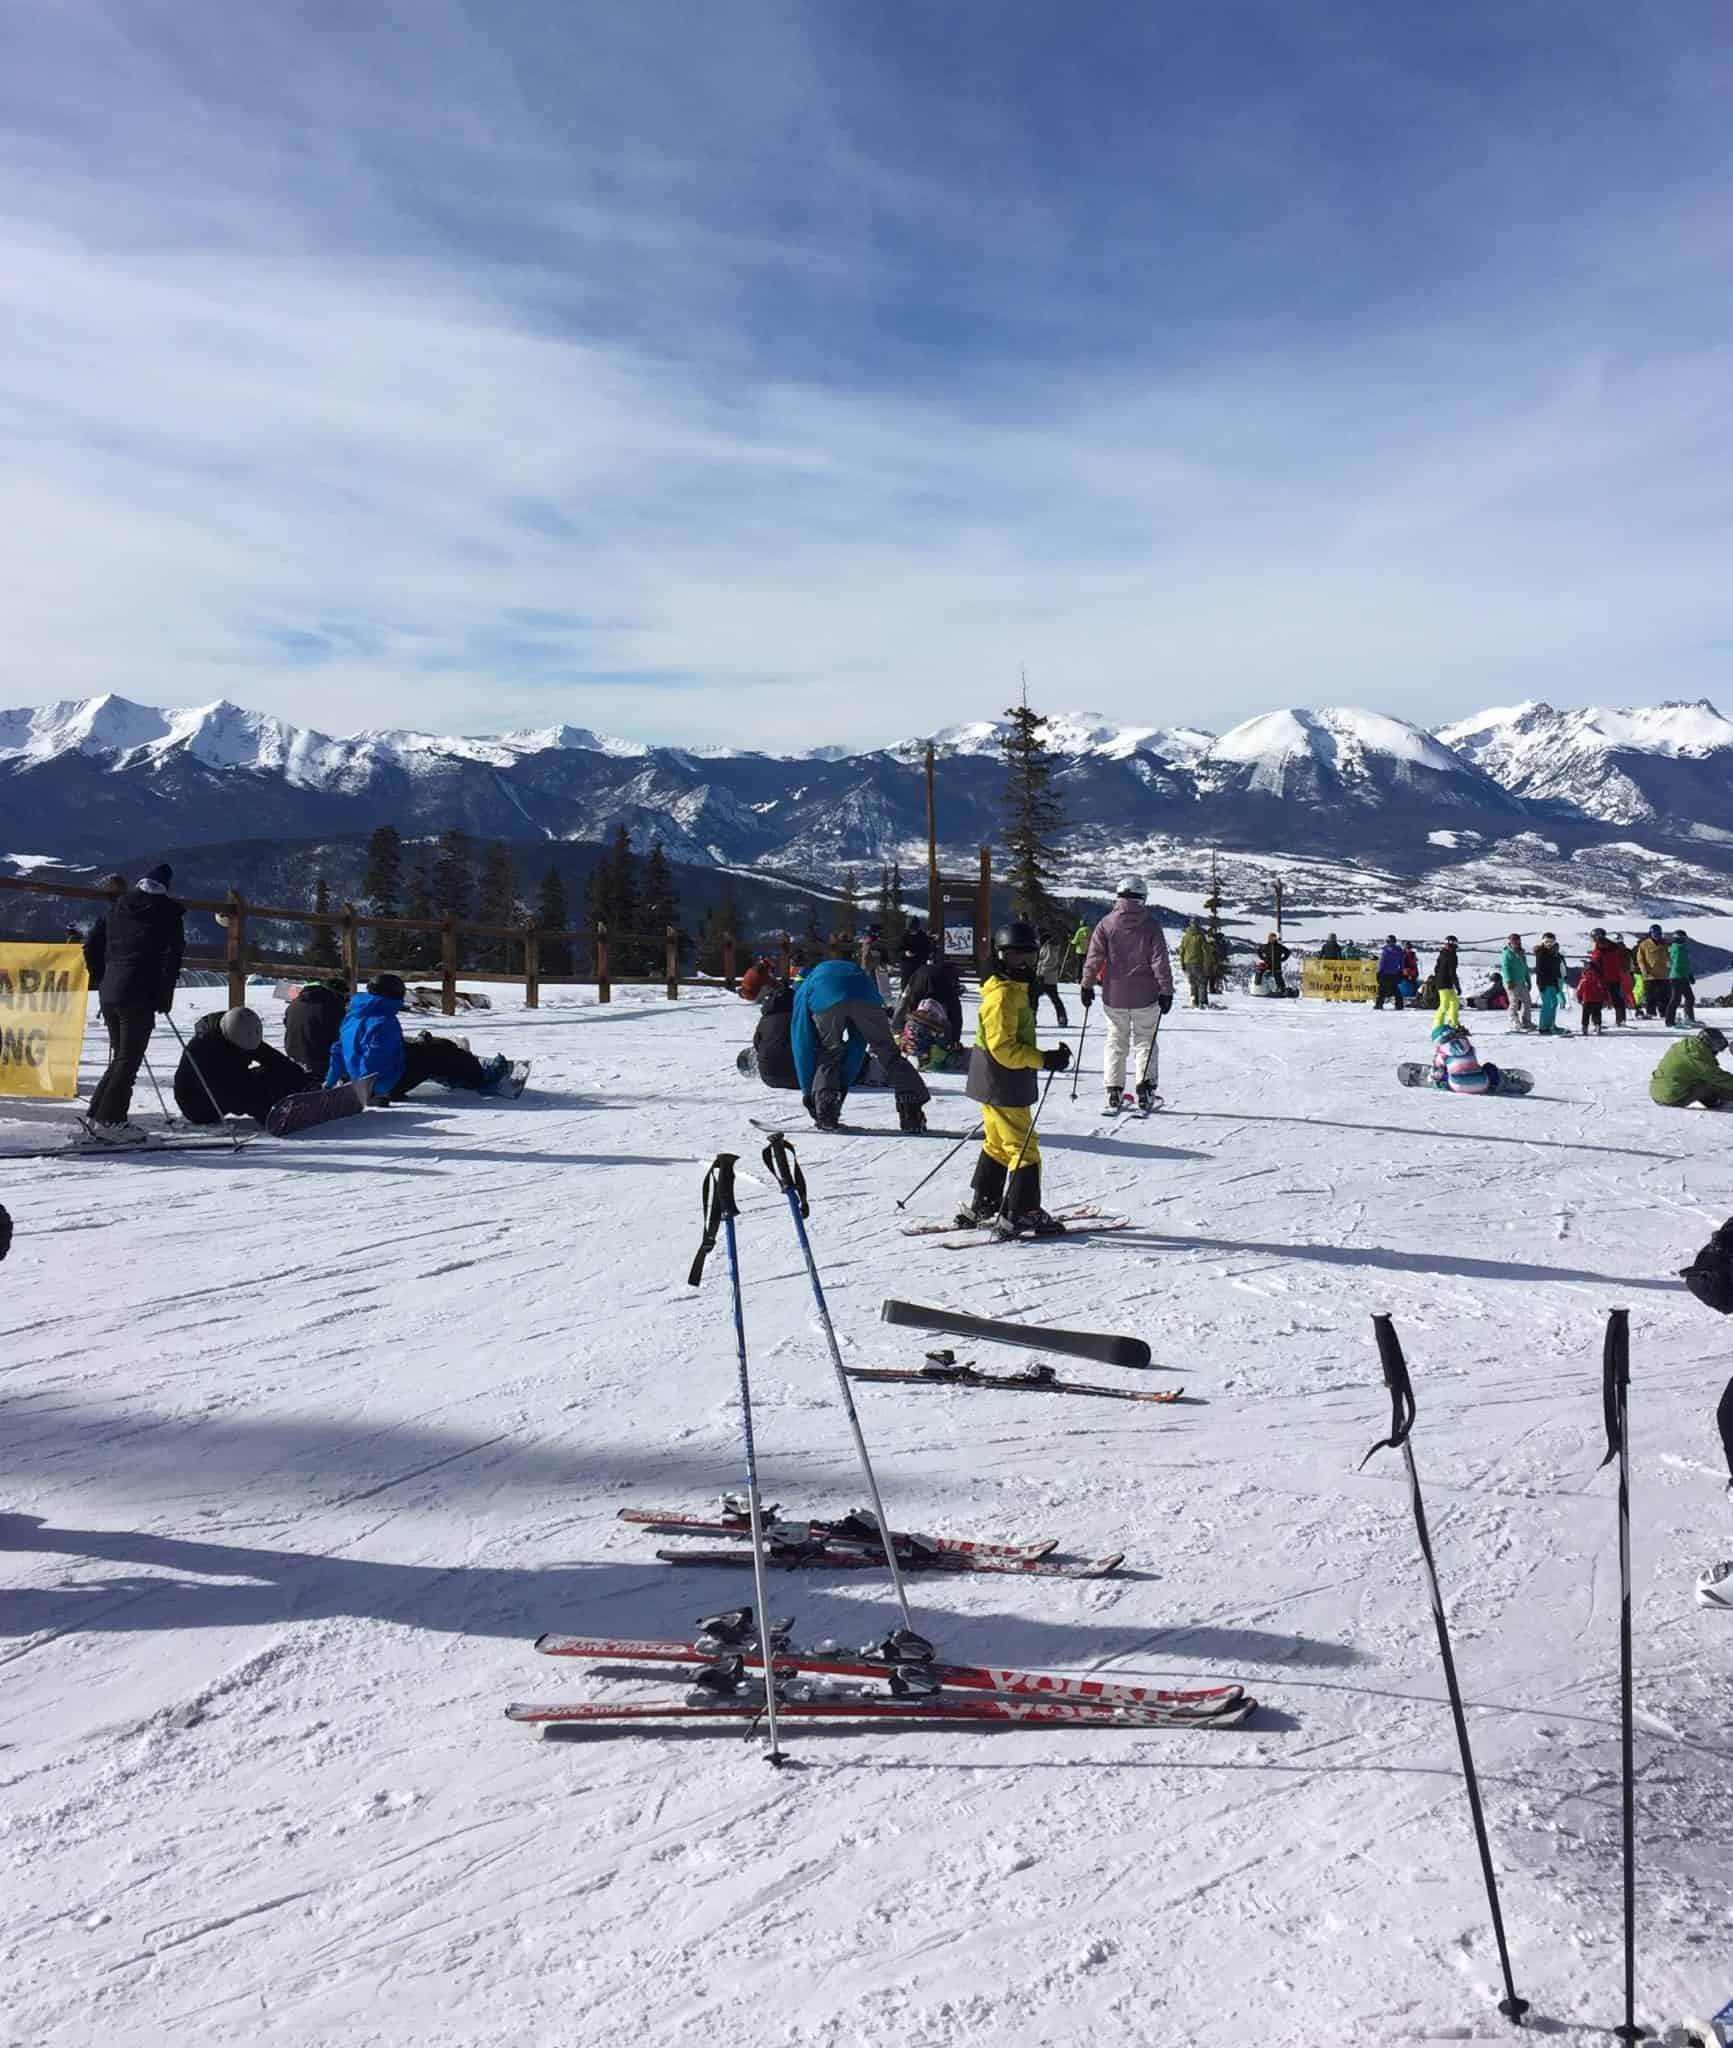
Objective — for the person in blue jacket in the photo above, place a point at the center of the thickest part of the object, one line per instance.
(839, 1017)
(371, 1042)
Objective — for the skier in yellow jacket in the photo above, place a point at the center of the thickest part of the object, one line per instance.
(1002, 1070)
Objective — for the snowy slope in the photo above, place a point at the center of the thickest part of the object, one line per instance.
(348, 1421)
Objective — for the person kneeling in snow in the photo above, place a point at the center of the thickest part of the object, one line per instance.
(229, 1070)
(1456, 1065)
(1689, 1072)
(372, 1042)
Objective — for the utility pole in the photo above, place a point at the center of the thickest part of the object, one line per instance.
(1278, 906)
(935, 915)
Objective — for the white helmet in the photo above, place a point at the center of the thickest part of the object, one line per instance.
(1133, 885)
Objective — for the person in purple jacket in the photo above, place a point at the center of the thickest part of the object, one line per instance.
(1127, 961)
(1389, 973)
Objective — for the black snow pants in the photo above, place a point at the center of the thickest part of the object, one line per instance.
(129, 1029)
(1724, 1417)
(438, 1059)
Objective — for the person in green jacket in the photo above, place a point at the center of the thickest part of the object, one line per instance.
(1194, 957)
(1079, 947)
(1680, 978)
(1689, 1072)
(1513, 965)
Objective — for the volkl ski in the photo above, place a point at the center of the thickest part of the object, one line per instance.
(1036, 1379)
(849, 1557)
(863, 1706)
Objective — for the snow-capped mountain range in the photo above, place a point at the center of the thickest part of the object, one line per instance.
(1596, 792)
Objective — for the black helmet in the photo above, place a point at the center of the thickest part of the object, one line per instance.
(1016, 937)
(390, 986)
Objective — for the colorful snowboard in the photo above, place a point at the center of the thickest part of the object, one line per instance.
(1511, 1080)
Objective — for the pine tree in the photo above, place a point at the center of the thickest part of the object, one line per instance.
(813, 942)
(451, 874)
(418, 950)
(1033, 817)
(848, 915)
(891, 920)
(722, 917)
(613, 899)
(661, 891)
(552, 916)
(497, 903)
(382, 884)
(322, 948)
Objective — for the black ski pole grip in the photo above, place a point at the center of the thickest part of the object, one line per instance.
(1615, 1378)
(719, 1203)
(1401, 1389)
(779, 1158)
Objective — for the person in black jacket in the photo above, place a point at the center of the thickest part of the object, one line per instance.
(135, 956)
(772, 1055)
(312, 1021)
(1447, 982)
(936, 981)
(228, 1067)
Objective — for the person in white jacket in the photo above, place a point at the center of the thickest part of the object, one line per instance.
(1127, 961)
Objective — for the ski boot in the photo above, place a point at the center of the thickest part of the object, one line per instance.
(1715, 1585)
(120, 1136)
(911, 1119)
(1040, 1375)
(1146, 1096)
(986, 1194)
(494, 1073)
(1023, 1214)
(827, 1111)
(1115, 1096)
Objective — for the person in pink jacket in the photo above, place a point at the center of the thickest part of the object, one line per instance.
(1127, 961)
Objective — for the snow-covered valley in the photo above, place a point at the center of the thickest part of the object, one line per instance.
(305, 1446)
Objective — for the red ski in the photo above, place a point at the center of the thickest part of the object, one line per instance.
(877, 1707)
(842, 1663)
(851, 1529)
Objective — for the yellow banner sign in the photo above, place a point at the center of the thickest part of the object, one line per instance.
(42, 1005)
(1340, 981)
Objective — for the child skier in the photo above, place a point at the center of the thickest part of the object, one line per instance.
(1002, 1072)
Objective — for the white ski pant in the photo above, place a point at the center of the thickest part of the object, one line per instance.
(1137, 1030)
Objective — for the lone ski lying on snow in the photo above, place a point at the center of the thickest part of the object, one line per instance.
(1105, 1349)
(857, 1527)
(843, 1705)
(832, 1661)
(1511, 1080)
(825, 1556)
(1033, 1379)
(300, 1112)
(173, 1140)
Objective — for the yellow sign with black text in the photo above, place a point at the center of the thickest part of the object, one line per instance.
(42, 1006)
(1340, 981)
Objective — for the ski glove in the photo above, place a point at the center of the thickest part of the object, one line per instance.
(1164, 1004)
(1088, 994)
(1057, 1059)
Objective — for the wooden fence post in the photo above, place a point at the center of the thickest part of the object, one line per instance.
(448, 965)
(351, 944)
(235, 950)
(671, 961)
(785, 957)
(533, 968)
(604, 987)
(728, 962)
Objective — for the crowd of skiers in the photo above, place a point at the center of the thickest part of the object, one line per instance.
(133, 956)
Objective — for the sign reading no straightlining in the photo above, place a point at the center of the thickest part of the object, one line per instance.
(42, 1003)
(1340, 981)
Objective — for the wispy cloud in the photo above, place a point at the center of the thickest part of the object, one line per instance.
(694, 374)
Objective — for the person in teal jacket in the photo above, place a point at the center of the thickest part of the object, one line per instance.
(1689, 1072)
(1513, 965)
(1680, 978)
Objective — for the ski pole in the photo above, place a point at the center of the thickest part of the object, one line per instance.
(779, 1157)
(720, 1211)
(203, 1083)
(1615, 1388)
(1046, 1090)
(968, 1138)
(157, 1085)
(1077, 1065)
(1401, 1422)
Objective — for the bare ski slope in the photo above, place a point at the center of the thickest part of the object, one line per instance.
(303, 1448)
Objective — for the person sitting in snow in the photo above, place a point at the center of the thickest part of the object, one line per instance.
(312, 1021)
(1494, 996)
(937, 982)
(1456, 1065)
(372, 1042)
(771, 1055)
(227, 1069)
(756, 980)
(1690, 1072)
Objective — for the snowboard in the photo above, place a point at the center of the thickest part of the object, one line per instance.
(310, 1106)
(1418, 1074)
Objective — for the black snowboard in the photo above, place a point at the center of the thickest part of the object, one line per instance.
(1105, 1349)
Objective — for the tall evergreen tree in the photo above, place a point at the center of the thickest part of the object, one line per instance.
(382, 884)
(848, 913)
(453, 884)
(417, 950)
(552, 916)
(497, 903)
(613, 898)
(891, 920)
(661, 891)
(722, 917)
(813, 941)
(322, 948)
(1033, 816)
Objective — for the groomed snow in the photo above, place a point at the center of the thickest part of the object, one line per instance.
(305, 1447)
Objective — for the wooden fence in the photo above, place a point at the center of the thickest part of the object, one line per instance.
(234, 914)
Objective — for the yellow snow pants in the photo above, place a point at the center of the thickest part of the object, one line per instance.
(1005, 1131)
(1449, 1008)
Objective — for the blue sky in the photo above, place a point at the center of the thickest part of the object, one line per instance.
(782, 373)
